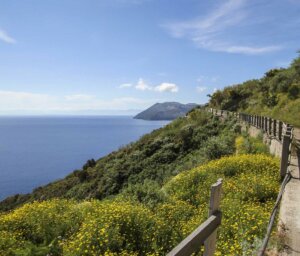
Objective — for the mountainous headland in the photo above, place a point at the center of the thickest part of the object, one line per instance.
(165, 111)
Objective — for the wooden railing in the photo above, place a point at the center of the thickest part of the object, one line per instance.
(206, 233)
(275, 129)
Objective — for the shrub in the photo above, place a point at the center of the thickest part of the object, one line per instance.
(294, 91)
(249, 145)
(148, 193)
(113, 227)
(120, 227)
(89, 163)
(217, 147)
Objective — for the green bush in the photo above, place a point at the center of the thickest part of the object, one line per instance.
(294, 91)
(165, 216)
(250, 145)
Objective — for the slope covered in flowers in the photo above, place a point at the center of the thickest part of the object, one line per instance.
(123, 226)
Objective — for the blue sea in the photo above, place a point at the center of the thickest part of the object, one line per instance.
(37, 150)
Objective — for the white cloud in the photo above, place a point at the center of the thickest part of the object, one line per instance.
(201, 89)
(141, 85)
(126, 85)
(248, 49)
(215, 89)
(166, 87)
(80, 97)
(6, 38)
(208, 32)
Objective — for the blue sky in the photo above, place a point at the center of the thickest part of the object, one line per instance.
(120, 56)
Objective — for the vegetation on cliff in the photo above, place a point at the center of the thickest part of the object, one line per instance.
(155, 158)
(276, 95)
(125, 226)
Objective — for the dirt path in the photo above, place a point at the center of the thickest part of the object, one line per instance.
(289, 215)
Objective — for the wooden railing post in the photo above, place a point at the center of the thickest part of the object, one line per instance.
(270, 126)
(285, 154)
(274, 128)
(266, 124)
(214, 206)
(280, 130)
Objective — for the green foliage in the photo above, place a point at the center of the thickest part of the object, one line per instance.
(158, 156)
(216, 147)
(148, 193)
(294, 91)
(249, 145)
(276, 95)
(148, 219)
(89, 163)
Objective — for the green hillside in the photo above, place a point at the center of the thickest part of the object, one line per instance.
(277, 95)
(181, 145)
(124, 226)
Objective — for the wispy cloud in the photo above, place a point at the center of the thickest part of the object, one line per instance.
(142, 85)
(6, 38)
(208, 32)
(166, 87)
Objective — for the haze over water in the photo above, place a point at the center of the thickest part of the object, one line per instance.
(37, 150)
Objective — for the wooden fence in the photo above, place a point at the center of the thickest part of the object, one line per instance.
(275, 129)
(206, 233)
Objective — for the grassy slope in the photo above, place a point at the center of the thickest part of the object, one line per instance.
(126, 227)
(277, 95)
(165, 152)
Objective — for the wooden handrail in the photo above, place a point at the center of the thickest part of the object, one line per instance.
(207, 232)
(195, 240)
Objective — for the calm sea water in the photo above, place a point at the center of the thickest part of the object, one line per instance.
(37, 150)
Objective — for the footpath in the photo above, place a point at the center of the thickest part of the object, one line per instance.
(289, 215)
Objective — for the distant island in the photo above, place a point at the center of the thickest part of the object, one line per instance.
(165, 111)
